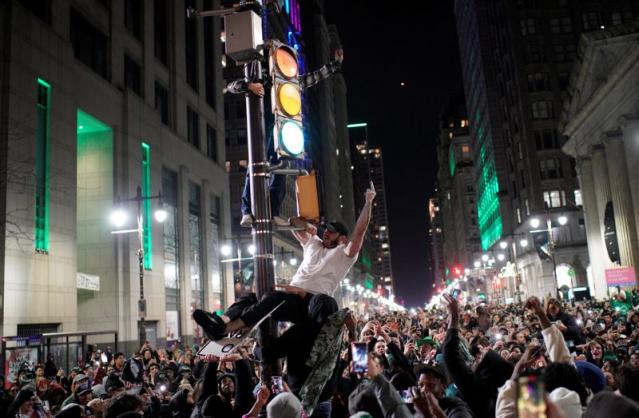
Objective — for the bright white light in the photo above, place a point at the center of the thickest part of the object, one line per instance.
(293, 261)
(484, 257)
(118, 218)
(579, 322)
(535, 222)
(161, 215)
(501, 257)
(563, 220)
(251, 249)
(466, 271)
(225, 250)
(346, 281)
(478, 289)
(503, 245)
(434, 285)
(498, 336)
(523, 243)
(477, 263)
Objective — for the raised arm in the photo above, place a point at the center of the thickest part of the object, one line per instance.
(310, 79)
(302, 236)
(357, 239)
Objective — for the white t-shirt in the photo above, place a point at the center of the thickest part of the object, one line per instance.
(322, 268)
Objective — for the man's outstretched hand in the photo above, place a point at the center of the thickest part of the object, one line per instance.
(453, 310)
(339, 55)
(256, 88)
(370, 193)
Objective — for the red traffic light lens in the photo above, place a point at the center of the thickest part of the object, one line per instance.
(286, 62)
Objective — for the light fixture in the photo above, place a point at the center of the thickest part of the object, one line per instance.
(346, 280)
(251, 249)
(292, 137)
(534, 222)
(478, 289)
(466, 271)
(501, 257)
(503, 245)
(118, 218)
(484, 257)
(161, 215)
(523, 243)
(563, 220)
(293, 261)
(477, 263)
(225, 250)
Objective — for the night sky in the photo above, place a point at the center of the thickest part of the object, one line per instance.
(385, 44)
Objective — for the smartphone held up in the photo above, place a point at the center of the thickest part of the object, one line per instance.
(360, 357)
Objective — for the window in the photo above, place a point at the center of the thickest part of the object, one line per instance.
(553, 198)
(522, 178)
(535, 53)
(161, 30)
(40, 8)
(162, 102)
(538, 82)
(89, 44)
(171, 247)
(564, 52)
(542, 110)
(590, 20)
(211, 142)
(227, 110)
(550, 169)
(190, 38)
(133, 17)
(518, 215)
(195, 247)
(193, 127)
(578, 201)
(546, 139)
(216, 295)
(560, 25)
(43, 150)
(528, 26)
(132, 75)
(564, 81)
(210, 63)
(241, 136)
(527, 206)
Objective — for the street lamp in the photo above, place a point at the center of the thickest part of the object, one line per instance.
(119, 217)
(477, 264)
(293, 261)
(523, 243)
(563, 220)
(535, 222)
(501, 257)
(503, 245)
(485, 258)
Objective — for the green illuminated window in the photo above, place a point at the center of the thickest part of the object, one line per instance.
(43, 149)
(490, 223)
(451, 161)
(147, 237)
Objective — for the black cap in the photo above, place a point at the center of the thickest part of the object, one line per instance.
(437, 370)
(335, 226)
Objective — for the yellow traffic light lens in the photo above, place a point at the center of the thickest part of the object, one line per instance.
(286, 62)
(289, 98)
(292, 138)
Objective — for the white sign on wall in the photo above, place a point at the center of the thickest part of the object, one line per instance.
(88, 282)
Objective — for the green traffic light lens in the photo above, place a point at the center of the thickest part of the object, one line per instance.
(292, 138)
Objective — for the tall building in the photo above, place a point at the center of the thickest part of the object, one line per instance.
(600, 120)
(367, 167)
(99, 101)
(516, 59)
(456, 189)
(436, 243)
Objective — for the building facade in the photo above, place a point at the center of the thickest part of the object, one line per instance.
(436, 243)
(516, 59)
(99, 100)
(456, 190)
(601, 121)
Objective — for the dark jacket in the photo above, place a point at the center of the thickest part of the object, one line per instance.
(455, 408)
(223, 409)
(573, 331)
(478, 388)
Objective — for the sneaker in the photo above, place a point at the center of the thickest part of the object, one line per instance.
(212, 325)
(279, 221)
(247, 221)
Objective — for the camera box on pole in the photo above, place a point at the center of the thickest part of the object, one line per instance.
(243, 36)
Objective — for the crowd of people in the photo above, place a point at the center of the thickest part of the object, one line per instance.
(452, 360)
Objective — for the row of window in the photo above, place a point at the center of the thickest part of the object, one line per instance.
(538, 82)
(558, 25)
(554, 199)
(536, 53)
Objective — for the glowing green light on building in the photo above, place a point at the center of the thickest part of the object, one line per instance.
(43, 151)
(452, 163)
(488, 216)
(147, 237)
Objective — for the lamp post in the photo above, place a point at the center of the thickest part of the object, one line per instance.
(118, 218)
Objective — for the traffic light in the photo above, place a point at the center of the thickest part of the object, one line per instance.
(286, 101)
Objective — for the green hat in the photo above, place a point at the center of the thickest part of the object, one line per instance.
(426, 340)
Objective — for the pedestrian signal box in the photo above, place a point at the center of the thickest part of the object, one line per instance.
(306, 196)
(286, 101)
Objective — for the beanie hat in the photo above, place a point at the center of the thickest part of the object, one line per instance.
(83, 388)
(80, 377)
(568, 401)
(284, 405)
(593, 376)
(23, 396)
(113, 382)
